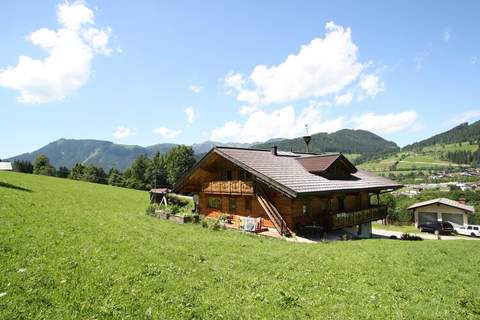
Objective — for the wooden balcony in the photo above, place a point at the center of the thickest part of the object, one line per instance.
(233, 187)
(348, 219)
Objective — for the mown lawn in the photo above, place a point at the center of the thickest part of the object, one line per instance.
(75, 250)
(392, 227)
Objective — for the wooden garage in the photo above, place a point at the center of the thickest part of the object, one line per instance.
(442, 209)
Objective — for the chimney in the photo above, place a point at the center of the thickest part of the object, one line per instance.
(461, 200)
(307, 139)
(274, 150)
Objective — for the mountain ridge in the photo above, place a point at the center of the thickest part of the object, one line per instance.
(460, 133)
(106, 154)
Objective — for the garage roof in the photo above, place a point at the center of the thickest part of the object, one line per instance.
(444, 201)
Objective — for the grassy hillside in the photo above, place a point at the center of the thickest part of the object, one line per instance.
(430, 157)
(461, 133)
(71, 249)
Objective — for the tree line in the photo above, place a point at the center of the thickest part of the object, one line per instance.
(162, 170)
(464, 157)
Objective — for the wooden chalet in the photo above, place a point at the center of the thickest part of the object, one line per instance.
(289, 190)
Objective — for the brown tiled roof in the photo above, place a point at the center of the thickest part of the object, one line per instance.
(320, 163)
(286, 173)
(444, 201)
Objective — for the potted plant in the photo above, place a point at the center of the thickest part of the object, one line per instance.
(162, 212)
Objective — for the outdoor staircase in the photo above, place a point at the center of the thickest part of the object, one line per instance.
(272, 211)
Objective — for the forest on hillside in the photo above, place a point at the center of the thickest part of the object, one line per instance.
(161, 170)
(461, 133)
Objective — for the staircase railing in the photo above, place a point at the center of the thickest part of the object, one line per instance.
(271, 211)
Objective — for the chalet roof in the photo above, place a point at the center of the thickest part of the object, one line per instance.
(5, 166)
(444, 201)
(320, 163)
(285, 172)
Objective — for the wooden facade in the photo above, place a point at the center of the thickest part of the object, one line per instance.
(224, 187)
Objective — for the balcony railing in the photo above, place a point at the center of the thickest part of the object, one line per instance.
(348, 219)
(235, 187)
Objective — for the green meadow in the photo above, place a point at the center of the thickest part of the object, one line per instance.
(76, 250)
(429, 157)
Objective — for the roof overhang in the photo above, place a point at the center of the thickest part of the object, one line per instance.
(259, 176)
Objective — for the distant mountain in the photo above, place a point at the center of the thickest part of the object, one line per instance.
(106, 154)
(200, 148)
(461, 133)
(345, 141)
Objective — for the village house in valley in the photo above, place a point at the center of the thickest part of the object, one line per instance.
(289, 190)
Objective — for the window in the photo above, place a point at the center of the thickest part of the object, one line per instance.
(214, 203)
(232, 205)
(248, 203)
(305, 209)
(475, 228)
(469, 228)
(227, 175)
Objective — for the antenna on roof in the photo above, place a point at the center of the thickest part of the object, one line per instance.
(307, 138)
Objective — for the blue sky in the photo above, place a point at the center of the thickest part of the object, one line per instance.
(150, 72)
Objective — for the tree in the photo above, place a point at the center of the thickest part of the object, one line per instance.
(22, 166)
(77, 172)
(42, 166)
(63, 172)
(178, 161)
(156, 174)
(94, 174)
(135, 176)
(115, 178)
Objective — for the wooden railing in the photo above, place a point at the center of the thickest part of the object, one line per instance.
(237, 187)
(272, 212)
(348, 219)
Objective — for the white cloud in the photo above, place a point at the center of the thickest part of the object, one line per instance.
(167, 133)
(369, 86)
(234, 81)
(282, 122)
(466, 116)
(474, 60)
(247, 109)
(345, 98)
(322, 67)
(447, 34)
(195, 88)
(123, 132)
(67, 66)
(386, 123)
(191, 114)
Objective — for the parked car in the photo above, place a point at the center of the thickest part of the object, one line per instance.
(436, 227)
(468, 230)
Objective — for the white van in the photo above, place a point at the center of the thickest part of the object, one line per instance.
(468, 230)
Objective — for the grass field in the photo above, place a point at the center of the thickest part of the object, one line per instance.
(408, 161)
(427, 158)
(391, 227)
(75, 250)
